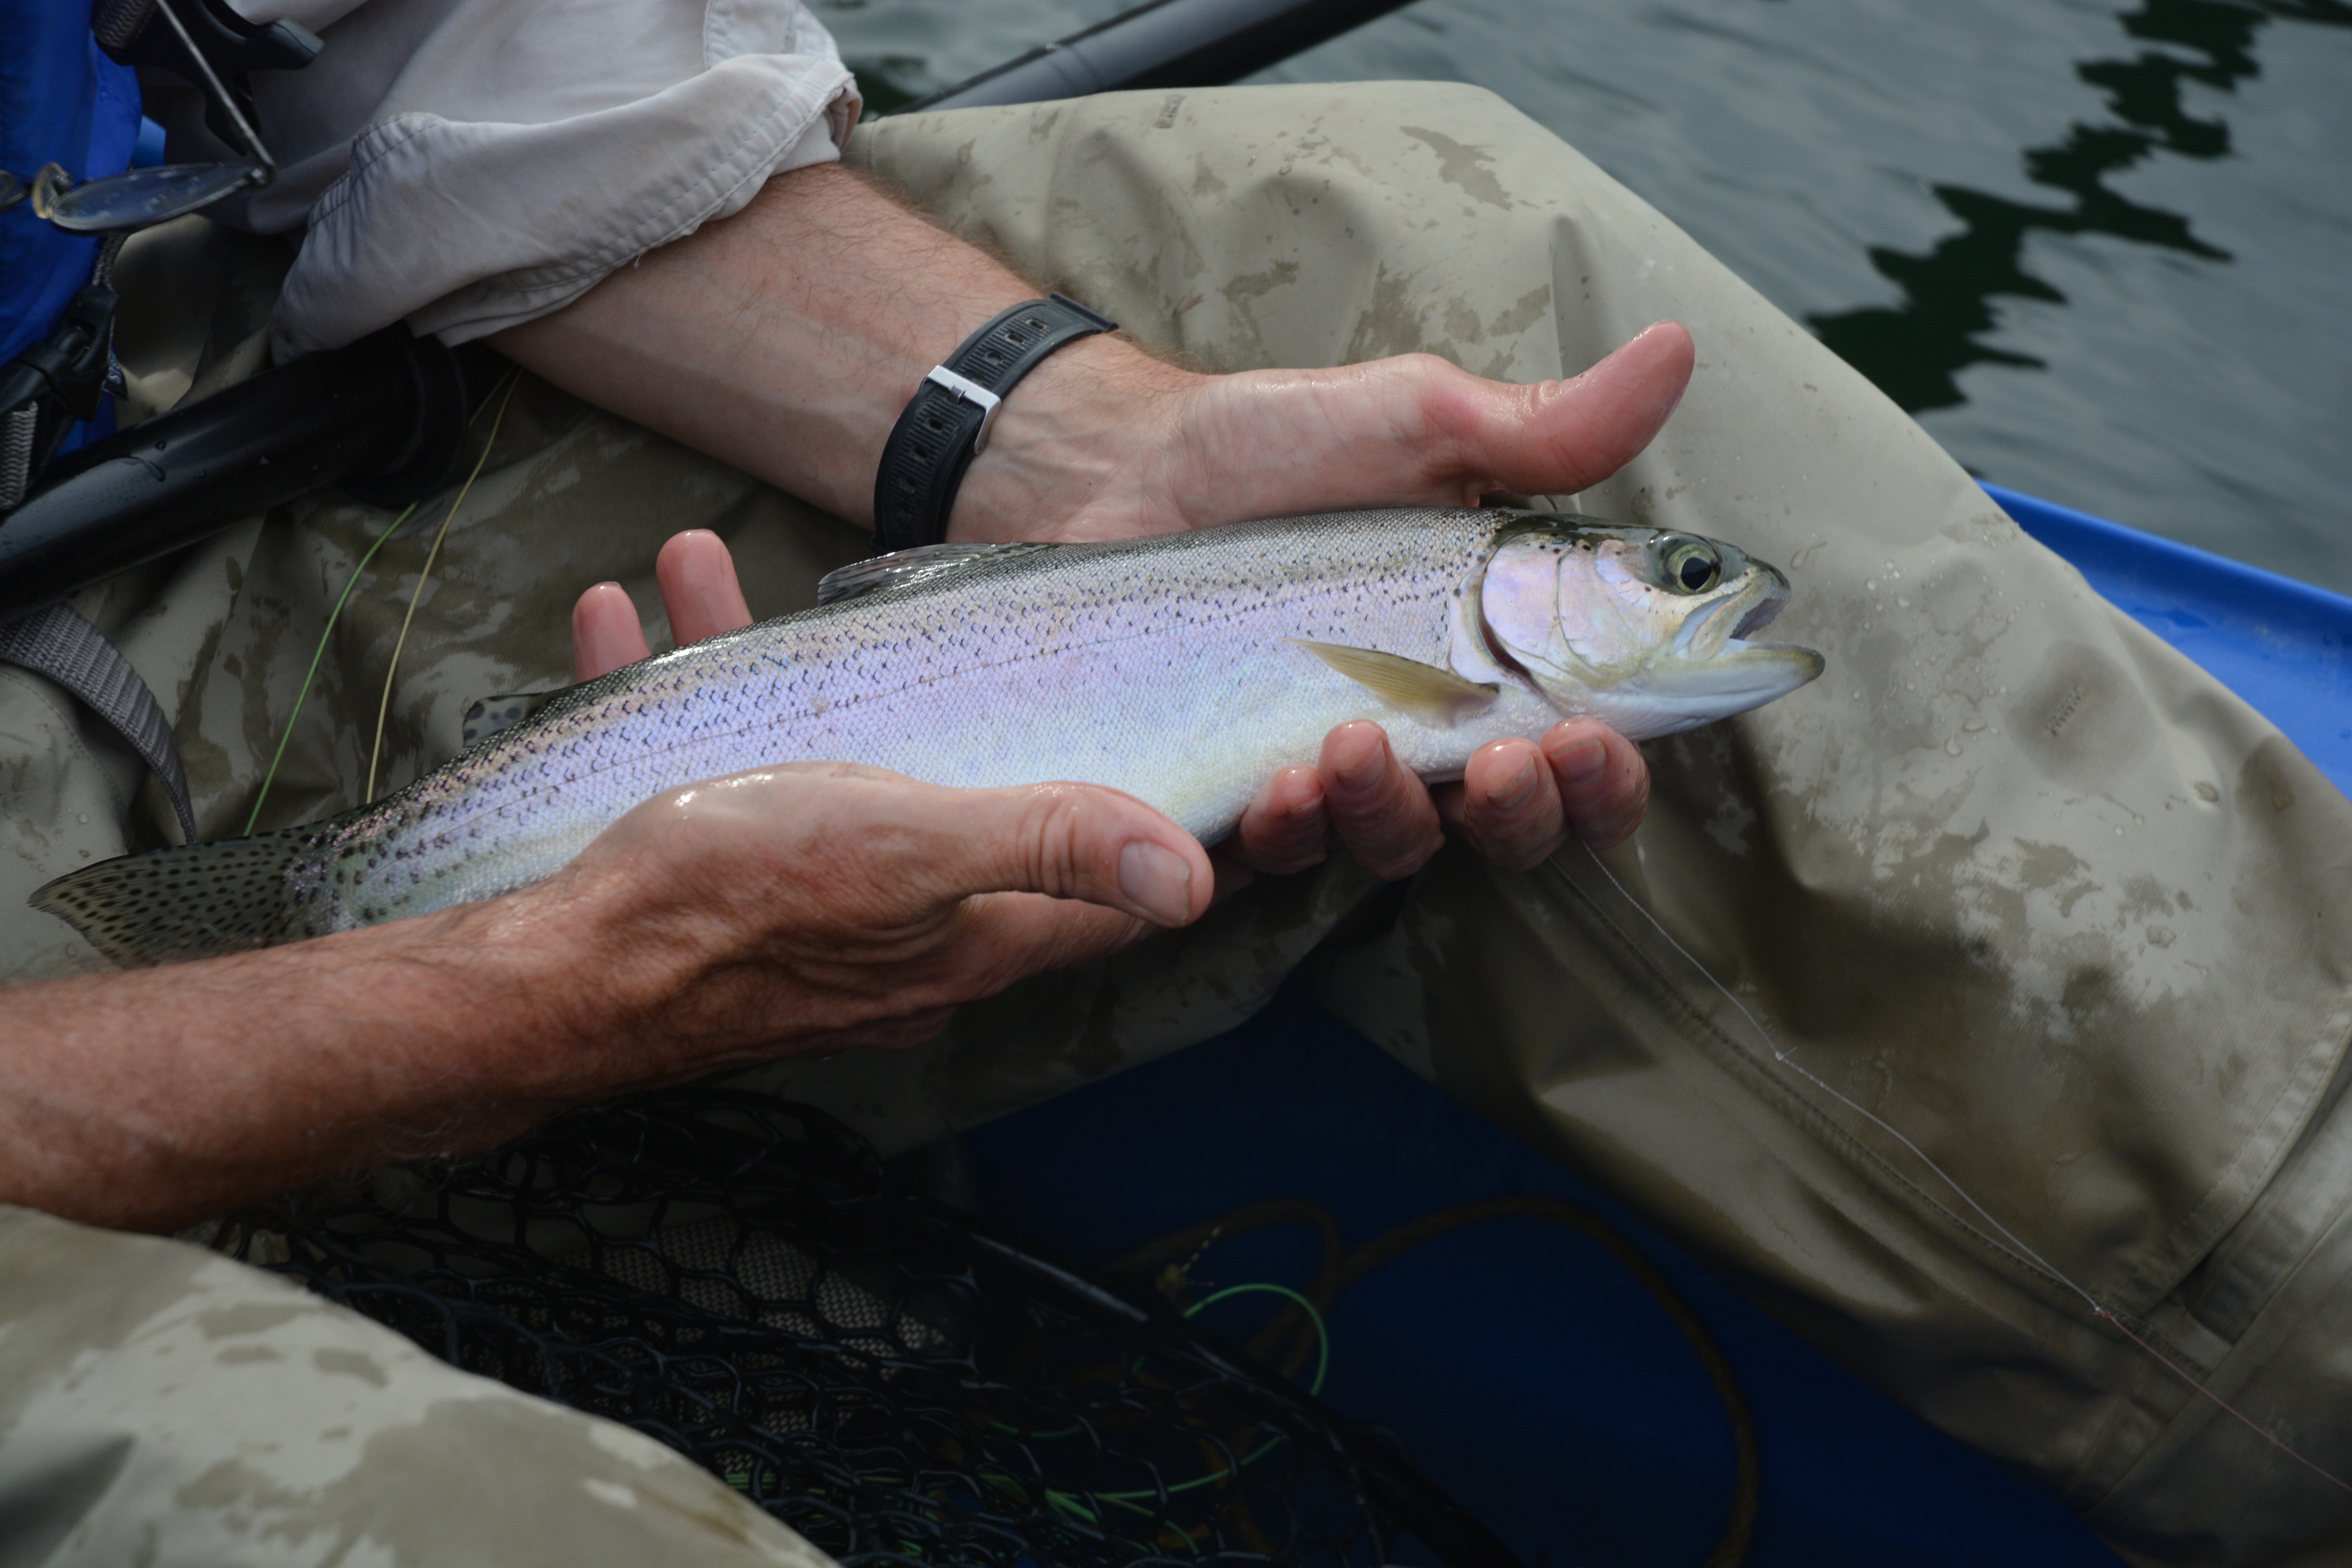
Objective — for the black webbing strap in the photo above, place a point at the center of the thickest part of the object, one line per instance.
(56, 642)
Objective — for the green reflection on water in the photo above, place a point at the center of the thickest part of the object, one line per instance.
(1915, 351)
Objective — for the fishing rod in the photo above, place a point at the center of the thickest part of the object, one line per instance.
(1162, 44)
(385, 416)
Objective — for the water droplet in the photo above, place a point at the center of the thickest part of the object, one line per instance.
(1973, 725)
(81, 816)
(1952, 747)
(1870, 583)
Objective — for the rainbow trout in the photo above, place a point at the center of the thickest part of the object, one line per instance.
(1183, 669)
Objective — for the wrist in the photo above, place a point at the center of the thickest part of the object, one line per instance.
(1076, 449)
(484, 999)
(578, 981)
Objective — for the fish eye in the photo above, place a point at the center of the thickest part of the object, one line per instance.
(1690, 565)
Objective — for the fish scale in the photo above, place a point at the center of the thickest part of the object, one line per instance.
(1175, 667)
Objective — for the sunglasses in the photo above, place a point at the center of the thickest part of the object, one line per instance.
(120, 204)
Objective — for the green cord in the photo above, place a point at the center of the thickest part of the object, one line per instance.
(309, 675)
(1067, 1502)
(1322, 1342)
(1322, 1334)
(1322, 1365)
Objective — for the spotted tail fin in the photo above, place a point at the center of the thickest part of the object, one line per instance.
(197, 900)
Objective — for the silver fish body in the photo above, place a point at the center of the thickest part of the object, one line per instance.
(1181, 669)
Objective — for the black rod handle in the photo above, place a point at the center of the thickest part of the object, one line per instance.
(388, 404)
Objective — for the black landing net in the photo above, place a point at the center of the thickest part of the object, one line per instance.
(735, 1277)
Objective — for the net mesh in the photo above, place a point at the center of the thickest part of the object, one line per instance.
(735, 1277)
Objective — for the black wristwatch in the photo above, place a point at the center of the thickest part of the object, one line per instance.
(947, 420)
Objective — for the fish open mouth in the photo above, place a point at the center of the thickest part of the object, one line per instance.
(1718, 671)
(1720, 628)
(1759, 616)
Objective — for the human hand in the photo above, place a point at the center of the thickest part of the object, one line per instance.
(1103, 441)
(843, 905)
(787, 339)
(1517, 803)
(815, 907)
(793, 910)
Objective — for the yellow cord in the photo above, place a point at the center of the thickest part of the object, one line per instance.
(375, 751)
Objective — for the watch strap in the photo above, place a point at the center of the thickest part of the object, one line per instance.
(947, 420)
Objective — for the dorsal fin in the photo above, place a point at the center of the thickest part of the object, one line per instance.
(1432, 695)
(905, 568)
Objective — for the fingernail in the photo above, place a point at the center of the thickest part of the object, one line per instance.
(1157, 882)
(1516, 791)
(1582, 763)
(1364, 775)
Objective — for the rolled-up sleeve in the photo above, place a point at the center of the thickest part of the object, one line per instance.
(468, 164)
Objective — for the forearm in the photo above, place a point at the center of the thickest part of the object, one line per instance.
(787, 339)
(153, 1099)
(813, 907)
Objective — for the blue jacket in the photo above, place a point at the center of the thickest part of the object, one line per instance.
(61, 101)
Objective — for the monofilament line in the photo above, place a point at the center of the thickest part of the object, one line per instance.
(2022, 1253)
(391, 668)
(1787, 1060)
(326, 634)
(302, 694)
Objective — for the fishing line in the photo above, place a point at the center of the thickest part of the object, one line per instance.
(1787, 1058)
(2022, 1253)
(375, 751)
(2243, 1418)
(253, 817)
(311, 674)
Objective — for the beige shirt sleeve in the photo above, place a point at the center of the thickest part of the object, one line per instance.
(468, 164)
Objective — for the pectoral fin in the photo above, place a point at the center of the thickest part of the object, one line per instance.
(1432, 695)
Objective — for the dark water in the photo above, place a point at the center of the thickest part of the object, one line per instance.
(2104, 251)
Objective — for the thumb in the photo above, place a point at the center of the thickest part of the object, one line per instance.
(1563, 436)
(1071, 841)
